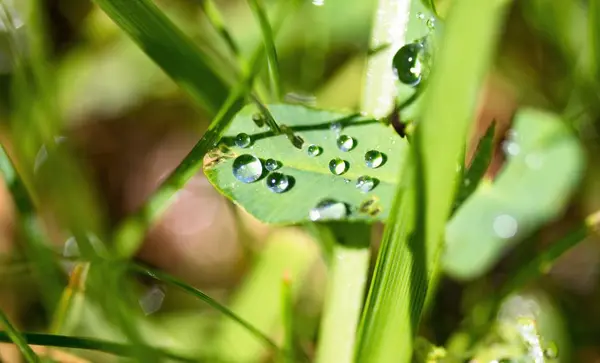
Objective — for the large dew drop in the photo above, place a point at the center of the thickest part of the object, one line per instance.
(365, 183)
(407, 64)
(345, 143)
(272, 165)
(338, 166)
(243, 140)
(277, 182)
(247, 168)
(314, 150)
(328, 209)
(373, 159)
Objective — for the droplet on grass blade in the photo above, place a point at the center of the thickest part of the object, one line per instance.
(373, 159)
(243, 140)
(365, 183)
(345, 143)
(314, 150)
(407, 64)
(272, 165)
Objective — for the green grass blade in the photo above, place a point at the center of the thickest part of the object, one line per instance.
(287, 306)
(260, 13)
(13, 335)
(216, 21)
(62, 341)
(168, 47)
(161, 276)
(343, 303)
(594, 36)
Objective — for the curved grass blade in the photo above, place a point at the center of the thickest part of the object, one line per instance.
(161, 276)
(269, 42)
(14, 336)
(62, 341)
(216, 20)
(168, 47)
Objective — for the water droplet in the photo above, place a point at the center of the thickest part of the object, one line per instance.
(373, 159)
(258, 119)
(345, 143)
(338, 166)
(336, 127)
(365, 183)
(152, 300)
(420, 15)
(328, 209)
(247, 168)
(277, 182)
(511, 148)
(505, 226)
(407, 64)
(272, 165)
(243, 140)
(314, 150)
(430, 23)
(346, 180)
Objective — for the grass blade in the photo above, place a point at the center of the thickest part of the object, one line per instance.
(287, 306)
(62, 341)
(408, 257)
(13, 335)
(269, 42)
(161, 276)
(216, 21)
(168, 47)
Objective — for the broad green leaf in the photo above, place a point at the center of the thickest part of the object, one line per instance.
(311, 179)
(534, 187)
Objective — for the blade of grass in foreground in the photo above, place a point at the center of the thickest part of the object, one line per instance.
(168, 47)
(13, 335)
(62, 341)
(267, 33)
(408, 257)
(161, 276)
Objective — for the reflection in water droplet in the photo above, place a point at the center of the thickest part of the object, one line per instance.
(505, 226)
(258, 119)
(511, 148)
(314, 150)
(373, 159)
(247, 168)
(345, 143)
(272, 165)
(338, 166)
(277, 182)
(365, 183)
(328, 209)
(243, 140)
(407, 64)
(152, 300)
(431, 23)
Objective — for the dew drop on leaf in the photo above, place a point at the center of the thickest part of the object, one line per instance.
(373, 159)
(407, 64)
(338, 166)
(272, 165)
(431, 23)
(345, 143)
(328, 209)
(243, 140)
(336, 127)
(247, 168)
(365, 183)
(314, 150)
(277, 182)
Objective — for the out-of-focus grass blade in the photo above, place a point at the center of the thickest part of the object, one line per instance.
(62, 341)
(594, 36)
(287, 313)
(13, 335)
(269, 42)
(478, 167)
(216, 20)
(161, 276)
(174, 52)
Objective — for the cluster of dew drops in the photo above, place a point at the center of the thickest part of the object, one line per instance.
(249, 169)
